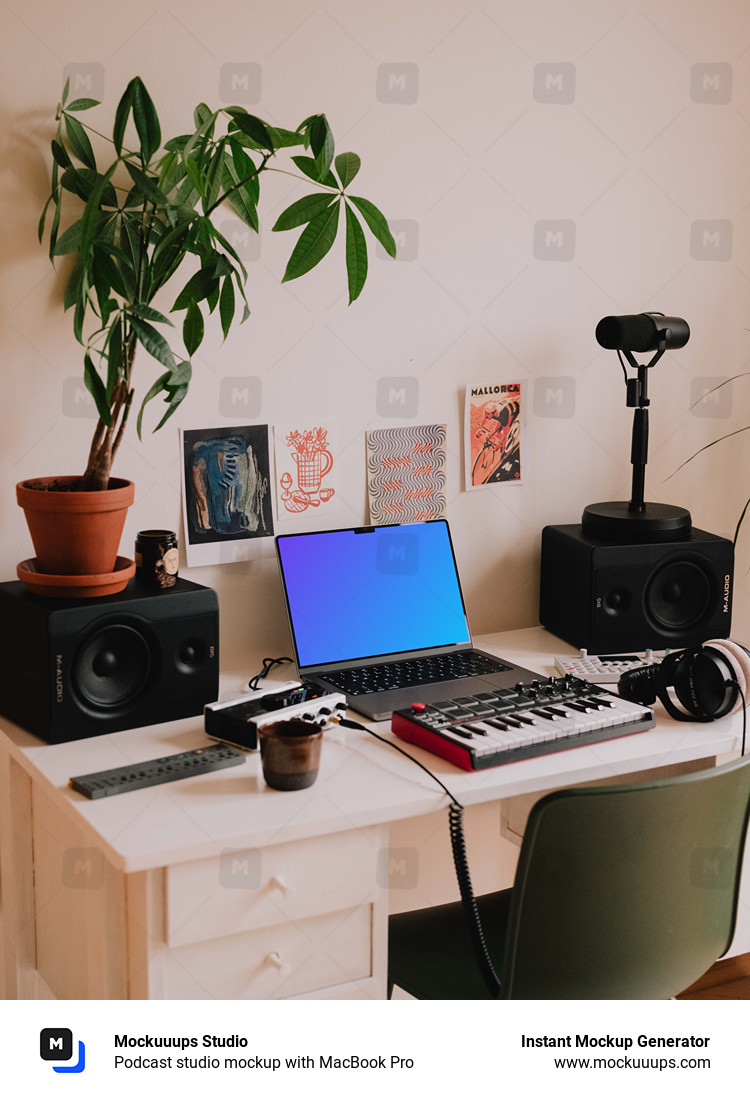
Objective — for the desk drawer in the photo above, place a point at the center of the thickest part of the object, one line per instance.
(282, 961)
(243, 889)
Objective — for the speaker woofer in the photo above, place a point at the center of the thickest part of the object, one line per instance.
(678, 595)
(112, 666)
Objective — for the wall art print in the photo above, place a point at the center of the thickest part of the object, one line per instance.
(406, 473)
(306, 470)
(493, 434)
(226, 492)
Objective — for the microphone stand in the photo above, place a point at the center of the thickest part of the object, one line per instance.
(637, 398)
(635, 520)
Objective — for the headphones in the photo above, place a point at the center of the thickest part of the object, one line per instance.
(708, 681)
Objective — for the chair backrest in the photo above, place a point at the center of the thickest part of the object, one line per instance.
(627, 891)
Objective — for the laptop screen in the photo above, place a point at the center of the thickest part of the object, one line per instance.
(371, 591)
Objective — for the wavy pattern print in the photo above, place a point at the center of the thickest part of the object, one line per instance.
(406, 477)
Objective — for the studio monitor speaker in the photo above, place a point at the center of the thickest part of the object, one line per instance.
(616, 598)
(77, 668)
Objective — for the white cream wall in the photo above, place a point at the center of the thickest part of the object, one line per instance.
(628, 123)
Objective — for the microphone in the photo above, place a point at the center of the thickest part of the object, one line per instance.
(642, 332)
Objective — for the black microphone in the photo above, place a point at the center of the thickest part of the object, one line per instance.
(642, 332)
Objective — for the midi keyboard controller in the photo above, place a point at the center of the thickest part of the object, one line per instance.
(531, 719)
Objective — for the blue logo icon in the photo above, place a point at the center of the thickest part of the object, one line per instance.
(56, 1045)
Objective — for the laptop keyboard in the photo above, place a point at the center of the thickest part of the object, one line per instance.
(415, 671)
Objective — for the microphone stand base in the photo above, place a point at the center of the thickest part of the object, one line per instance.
(655, 523)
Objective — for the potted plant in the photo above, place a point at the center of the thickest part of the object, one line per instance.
(139, 218)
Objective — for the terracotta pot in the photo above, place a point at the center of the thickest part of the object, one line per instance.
(290, 753)
(74, 532)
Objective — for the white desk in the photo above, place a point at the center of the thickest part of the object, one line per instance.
(217, 886)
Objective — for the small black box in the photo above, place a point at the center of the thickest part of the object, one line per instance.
(77, 668)
(612, 597)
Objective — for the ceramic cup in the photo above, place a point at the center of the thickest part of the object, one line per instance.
(290, 753)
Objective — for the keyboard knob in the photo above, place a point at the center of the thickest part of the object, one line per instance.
(418, 707)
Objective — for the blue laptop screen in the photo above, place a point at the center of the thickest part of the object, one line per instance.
(372, 591)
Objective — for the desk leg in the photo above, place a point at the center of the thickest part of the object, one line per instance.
(17, 912)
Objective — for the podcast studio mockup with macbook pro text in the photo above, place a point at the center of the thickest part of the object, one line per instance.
(411, 662)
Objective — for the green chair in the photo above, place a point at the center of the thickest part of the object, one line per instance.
(627, 891)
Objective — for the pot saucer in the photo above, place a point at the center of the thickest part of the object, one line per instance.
(83, 586)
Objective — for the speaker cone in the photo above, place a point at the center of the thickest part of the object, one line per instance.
(112, 666)
(678, 596)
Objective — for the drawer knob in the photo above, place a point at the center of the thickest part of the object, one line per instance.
(274, 959)
(279, 883)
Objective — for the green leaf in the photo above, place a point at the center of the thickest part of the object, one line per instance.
(92, 215)
(221, 239)
(82, 104)
(82, 181)
(95, 386)
(303, 210)
(73, 286)
(79, 142)
(203, 114)
(347, 166)
(356, 255)
(43, 218)
(60, 154)
(251, 126)
(314, 243)
(158, 387)
(200, 136)
(53, 230)
(66, 89)
(226, 305)
(377, 223)
(214, 176)
(147, 185)
(321, 143)
(146, 120)
(167, 256)
(148, 313)
(192, 329)
(68, 242)
(103, 260)
(153, 341)
(198, 287)
(174, 383)
(79, 311)
(121, 116)
(177, 144)
(243, 169)
(310, 168)
(176, 398)
(284, 139)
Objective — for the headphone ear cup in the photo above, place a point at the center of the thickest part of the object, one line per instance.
(739, 661)
(639, 685)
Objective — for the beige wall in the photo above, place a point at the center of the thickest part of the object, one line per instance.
(628, 122)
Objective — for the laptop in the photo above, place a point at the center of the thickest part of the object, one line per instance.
(377, 613)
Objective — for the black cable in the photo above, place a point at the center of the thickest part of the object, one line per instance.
(624, 371)
(460, 862)
(744, 714)
(268, 664)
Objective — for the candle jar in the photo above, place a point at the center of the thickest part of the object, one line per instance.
(157, 558)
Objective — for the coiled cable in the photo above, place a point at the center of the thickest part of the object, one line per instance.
(460, 862)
